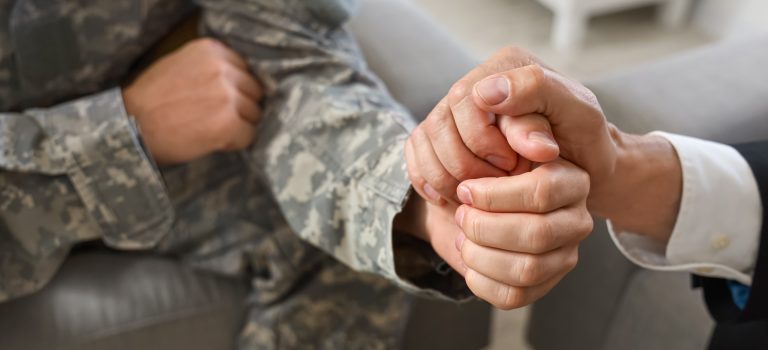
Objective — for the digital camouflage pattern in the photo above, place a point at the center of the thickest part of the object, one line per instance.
(314, 196)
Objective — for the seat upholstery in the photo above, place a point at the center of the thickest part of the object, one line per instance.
(97, 294)
(716, 93)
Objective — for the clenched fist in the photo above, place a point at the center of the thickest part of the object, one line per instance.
(195, 101)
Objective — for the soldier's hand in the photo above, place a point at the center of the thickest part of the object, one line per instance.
(459, 140)
(195, 101)
(521, 233)
(504, 114)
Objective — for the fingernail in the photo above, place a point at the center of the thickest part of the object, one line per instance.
(459, 217)
(459, 241)
(431, 193)
(465, 196)
(494, 90)
(542, 138)
(500, 162)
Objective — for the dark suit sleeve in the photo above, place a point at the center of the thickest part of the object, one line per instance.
(716, 291)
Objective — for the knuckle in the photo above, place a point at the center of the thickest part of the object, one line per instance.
(542, 196)
(229, 103)
(219, 69)
(510, 297)
(435, 121)
(587, 224)
(586, 182)
(484, 194)
(461, 171)
(475, 225)
(223, 98)
(418, 132)
(430, 123)
(513, 57)
(542, 237)
(207, 42)
(529, 81)
(476, 142)
(202, 44)
(468, 254)
(511, 51)
(459, 89)
(573, 260)
(440, 180)
(417, 181)
(220, 96)
(529, 272)
(537, 75)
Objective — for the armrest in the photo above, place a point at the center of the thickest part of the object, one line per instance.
(416, 59)
(102, 299)
(717, 93)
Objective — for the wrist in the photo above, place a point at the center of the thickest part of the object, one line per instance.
(129, 101)
(643, 194)
(412, 219)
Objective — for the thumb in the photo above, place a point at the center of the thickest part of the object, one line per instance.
(526, 90)
(530, 136)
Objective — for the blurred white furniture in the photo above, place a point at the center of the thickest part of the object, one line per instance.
(572, 16)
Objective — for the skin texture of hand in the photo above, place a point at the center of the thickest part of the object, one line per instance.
(195, 101)
(435, 225)
(514, 237)
(466, 124)
(636, 180)
(517, 235)
(521, 233)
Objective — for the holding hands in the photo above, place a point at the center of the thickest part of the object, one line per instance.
(517, 147)
(521, 233)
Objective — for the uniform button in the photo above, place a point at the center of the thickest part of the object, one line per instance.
(704, 270)
(720, 242)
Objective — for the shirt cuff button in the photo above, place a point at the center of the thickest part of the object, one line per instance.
(720, 242)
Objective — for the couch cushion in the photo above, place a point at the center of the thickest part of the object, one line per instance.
(581, 308)
(718, 93)
(660, 311)
(110, 300)
(416, 59)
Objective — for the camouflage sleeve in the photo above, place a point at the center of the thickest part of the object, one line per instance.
(71, 173)
(331, 142)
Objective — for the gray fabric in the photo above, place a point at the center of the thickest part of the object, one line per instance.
(659, 311)
(438, 324)
(580, 309)
(125, 301)
(718, 93)
(416, 59)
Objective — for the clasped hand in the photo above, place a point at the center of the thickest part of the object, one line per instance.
(488, 154)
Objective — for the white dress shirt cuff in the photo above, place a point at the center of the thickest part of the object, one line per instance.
(717, 231)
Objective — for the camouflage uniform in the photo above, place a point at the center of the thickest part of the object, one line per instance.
(315, 195)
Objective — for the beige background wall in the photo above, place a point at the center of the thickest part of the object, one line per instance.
(731, 18)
